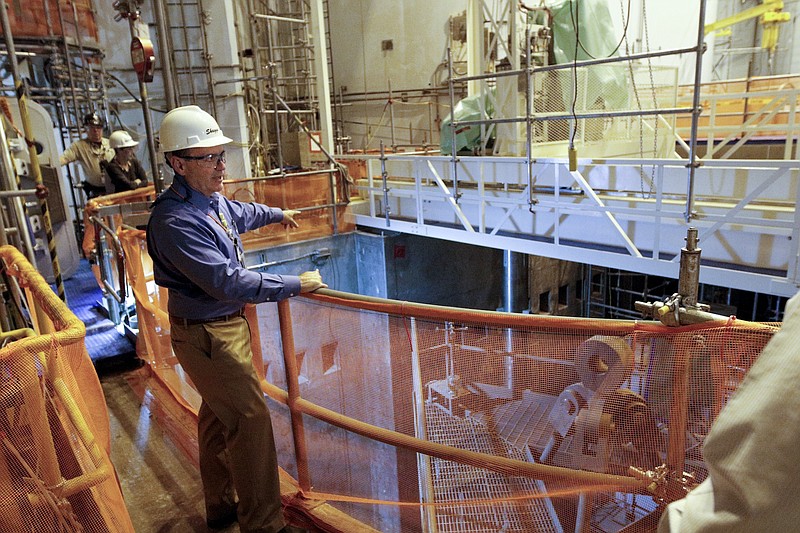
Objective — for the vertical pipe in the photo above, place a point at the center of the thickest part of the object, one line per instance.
(791, 136)
(202, 21)
(343, 144)
(158, 178)
(88, 72)
(515, 289)
(385, 184)
(273, 76)
(263, 154)
(508, 307)
(391, 118)
(4, 321)
(678, 413)
(528, 121)
(293, 386)
(698, 69)
(17, 210)
(425, 478)
(689, 276)
(712, 6)
(453, 155)
(320, 63)
(586, 291)
(475, 44)
(429, 140)
(583, 514)
(515, 281)
(188, 69)
(163, 46)
(22, 99)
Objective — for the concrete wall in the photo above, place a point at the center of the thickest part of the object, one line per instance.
(430, 271)
(400, 267)
(333, 256)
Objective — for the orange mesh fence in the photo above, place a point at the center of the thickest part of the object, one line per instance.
(55, 471)
(309, 192)
(408, 417)
(534, 404)
(92, 206)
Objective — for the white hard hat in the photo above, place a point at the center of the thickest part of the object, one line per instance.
(121, 139)
(189, 127)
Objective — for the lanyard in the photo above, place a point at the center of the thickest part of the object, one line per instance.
(222, 222)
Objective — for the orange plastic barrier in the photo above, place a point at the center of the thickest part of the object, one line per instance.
(55, 471)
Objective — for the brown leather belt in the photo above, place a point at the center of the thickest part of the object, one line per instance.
(196, 321)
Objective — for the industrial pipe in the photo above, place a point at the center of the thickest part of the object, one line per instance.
(696, 110)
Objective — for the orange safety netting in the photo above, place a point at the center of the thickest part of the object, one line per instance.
(408, 417)
(55, 471)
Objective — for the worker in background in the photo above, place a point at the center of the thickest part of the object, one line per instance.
(92, 152)
(124, 172)
(193, 239)
(751, 450)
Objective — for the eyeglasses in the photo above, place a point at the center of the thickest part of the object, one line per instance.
(208, 160)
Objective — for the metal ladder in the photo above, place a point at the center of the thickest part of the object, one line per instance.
(191, 72)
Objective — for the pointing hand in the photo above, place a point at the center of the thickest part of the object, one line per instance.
(288, 218)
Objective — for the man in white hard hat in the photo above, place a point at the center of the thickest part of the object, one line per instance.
(193, 239)
(92, 152)
(124, 172)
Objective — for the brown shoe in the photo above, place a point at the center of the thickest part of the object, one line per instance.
(223, 521)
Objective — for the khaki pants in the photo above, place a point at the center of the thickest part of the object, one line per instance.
(237, 449)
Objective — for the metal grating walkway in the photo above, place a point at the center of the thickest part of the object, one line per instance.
(453, 482)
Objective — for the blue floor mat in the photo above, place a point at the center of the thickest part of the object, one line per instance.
(85, 299)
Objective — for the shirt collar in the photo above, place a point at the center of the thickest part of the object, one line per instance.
(194, 196)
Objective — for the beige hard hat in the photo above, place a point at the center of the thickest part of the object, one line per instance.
(189, 127)
(121, 139)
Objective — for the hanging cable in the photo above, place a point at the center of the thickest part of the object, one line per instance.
(623, 38)
(571, 152)
(649, 193)
(652, 91)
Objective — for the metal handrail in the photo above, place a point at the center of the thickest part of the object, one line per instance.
(781, 102)
(764, 208)
(120, 257)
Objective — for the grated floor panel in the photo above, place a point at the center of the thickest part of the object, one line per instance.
(453, 482)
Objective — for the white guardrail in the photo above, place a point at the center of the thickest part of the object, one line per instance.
(621, 213)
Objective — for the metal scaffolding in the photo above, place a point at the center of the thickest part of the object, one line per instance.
(63, 66)
(288, 79)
